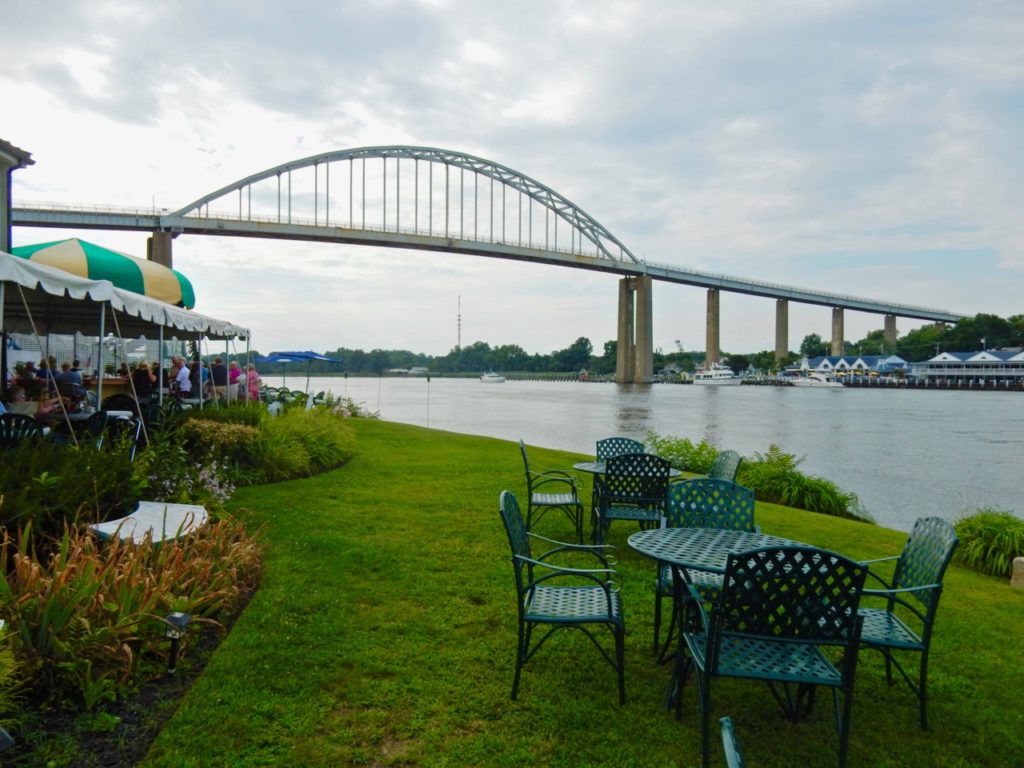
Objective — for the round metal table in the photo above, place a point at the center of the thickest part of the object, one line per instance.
(705, 549)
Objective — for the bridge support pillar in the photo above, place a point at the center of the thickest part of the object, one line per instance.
(634, 359)
(889, 334)
(781, 330)
(712, 352)
(837, 331)
(158, 249)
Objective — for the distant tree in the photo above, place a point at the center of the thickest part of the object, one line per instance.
(979, 332)
(510, 357)
(922, 343)
(574, 357)
(813, 346)
(739, 363)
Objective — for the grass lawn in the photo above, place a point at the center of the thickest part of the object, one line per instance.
(383, 634)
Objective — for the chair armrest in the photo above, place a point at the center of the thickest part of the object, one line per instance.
(538, 479)
(598, 550)
(878, 560)
(898, 590)
(609, 583)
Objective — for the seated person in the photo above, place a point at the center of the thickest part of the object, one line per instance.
(144, 383)
(69, 383)
(42, 409)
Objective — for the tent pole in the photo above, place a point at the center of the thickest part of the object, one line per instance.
(3, 352)
(99, 355)
(161, 371)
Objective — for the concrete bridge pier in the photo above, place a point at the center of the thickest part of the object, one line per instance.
(889, 334)
(634, 360)
(158, 249)
(781, 330)
(837, 331)
(712, 351)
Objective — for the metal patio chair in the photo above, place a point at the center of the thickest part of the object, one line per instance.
(730, 745)
(701, 502)
(616, 446)
(557, 598)
(780, 608)
(551, 489)
(16, 428)
(725, 466)
(633, 487)
(906, 622)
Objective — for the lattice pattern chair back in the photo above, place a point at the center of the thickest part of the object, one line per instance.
(515, 527)
(799, 593)
(924, 559)
(705, 502)
(726, 465)
(616, 446)
(637, 478)
(16, 427)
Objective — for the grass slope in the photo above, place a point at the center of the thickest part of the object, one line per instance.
(383, 635)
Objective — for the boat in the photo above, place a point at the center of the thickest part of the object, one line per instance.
(717, 374)
(815, 380)
(492, 378)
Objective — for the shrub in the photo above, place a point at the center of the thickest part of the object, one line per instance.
(246, 413)
(10, 678)
(299, 443)
(167, 472)
(231, 443)
(82, 619)
(775, 478)
(683, 453)
(43, 484)
(989, 541)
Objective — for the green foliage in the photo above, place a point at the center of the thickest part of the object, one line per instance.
(82, 618)
(206, 440)
(989, 541)
(10, 676)
(300, 443)
(683, 453)
(43, 484)
(775, 477)
(246, 413)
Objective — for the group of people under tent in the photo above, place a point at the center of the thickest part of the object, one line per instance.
(37, 390)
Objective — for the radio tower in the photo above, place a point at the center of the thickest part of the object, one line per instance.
(458, 338)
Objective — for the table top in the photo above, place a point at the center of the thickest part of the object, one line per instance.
(597, 468)
(161, 520)
(706, 549)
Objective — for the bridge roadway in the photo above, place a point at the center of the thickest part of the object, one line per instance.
(147, 220)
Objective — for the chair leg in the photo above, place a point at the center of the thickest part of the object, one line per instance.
(520, 658)
(620, 666)
(922, 690)
(657, 612)
(704, 683)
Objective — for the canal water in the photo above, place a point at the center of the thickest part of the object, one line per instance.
(904, 453)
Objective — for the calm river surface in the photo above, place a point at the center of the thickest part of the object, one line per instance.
(904, 453)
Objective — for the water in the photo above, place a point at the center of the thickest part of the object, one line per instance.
(904, 453)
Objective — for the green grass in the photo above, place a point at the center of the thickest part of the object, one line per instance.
(383, 635)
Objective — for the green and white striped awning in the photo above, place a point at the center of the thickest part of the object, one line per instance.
(128, 272)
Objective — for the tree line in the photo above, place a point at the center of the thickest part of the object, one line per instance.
(967, 335)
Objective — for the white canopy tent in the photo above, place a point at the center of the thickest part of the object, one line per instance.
(35, 298)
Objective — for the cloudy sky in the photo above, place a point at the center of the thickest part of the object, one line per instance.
(855, 146)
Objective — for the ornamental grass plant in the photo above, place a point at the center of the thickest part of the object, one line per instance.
(383, 634)
(990, 539)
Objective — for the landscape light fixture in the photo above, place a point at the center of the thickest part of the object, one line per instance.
(177, 625)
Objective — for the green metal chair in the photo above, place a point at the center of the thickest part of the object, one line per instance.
(730, 745)
(551, 489)
(725, 466)
(15, 428)
(604, 450)
(127, 433)
(906, 622)
(701, 502)
(780, 609)
(558, 598)
(633, 487)
(616, 446)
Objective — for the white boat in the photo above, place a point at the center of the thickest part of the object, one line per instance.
(815, 380)
(717, 374)
(492, 378)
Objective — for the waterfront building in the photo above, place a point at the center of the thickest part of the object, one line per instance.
(854, 365)
(991, 367)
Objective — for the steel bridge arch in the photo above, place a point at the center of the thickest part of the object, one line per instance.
(606, 244)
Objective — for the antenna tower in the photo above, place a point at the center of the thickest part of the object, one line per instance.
(458, 338)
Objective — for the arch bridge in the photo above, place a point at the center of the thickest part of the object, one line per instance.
(425, 198)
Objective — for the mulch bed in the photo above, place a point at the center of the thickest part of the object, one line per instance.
(122, 732)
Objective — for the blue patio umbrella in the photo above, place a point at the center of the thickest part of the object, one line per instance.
(297, 357)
